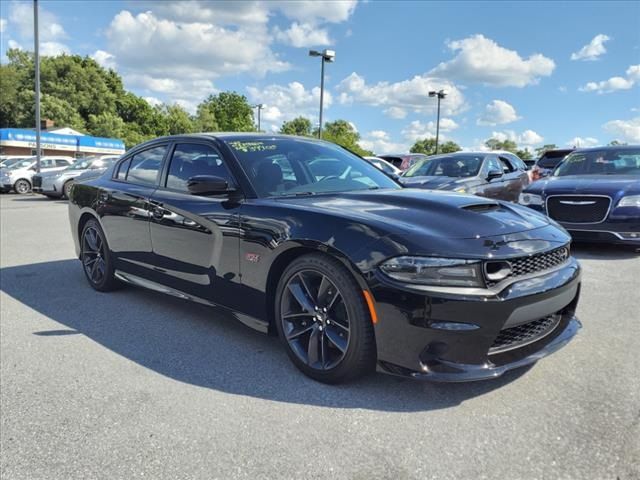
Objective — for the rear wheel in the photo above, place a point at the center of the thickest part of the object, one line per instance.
(96, 258)
(22, 186)
(323, 320)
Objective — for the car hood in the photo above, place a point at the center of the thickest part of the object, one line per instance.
(586, 184)
(436, 182)
(425, 213)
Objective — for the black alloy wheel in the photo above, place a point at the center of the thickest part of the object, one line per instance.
(323, 320)
(96, 258)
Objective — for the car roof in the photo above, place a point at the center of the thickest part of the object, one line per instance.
(607, 147)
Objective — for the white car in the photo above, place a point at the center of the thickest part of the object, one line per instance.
(18, 177)
(383, 165)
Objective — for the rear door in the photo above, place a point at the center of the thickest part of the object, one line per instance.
(196, 238)
(123, 205)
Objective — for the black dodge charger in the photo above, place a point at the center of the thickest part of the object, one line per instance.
(303, 239)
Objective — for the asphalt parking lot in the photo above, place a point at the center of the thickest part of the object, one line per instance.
(134, 384)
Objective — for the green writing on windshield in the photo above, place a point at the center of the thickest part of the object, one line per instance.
(247, 147)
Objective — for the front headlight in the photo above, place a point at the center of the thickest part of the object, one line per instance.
(434, 271)
(630, 201)
(530, 199)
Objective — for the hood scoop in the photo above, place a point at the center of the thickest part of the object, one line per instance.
(482, 207)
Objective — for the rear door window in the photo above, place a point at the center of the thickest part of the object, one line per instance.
(145, 166)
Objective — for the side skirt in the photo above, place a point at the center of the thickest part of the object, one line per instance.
(254, 323)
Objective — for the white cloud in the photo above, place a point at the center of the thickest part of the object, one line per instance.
(498, 112)
(401, 97)
(186, 92)
(21, 16)
(303, 35)
(285, 102)
(153, 101)
(52, 49)
(417, 130)
(3, 25)
(593, 49)
(105, 59)
(13, 44)
(583, 142)
(615, 83)
(379, 142)
(482, 60)
(314, 11)
(527, 138)
(626, 130)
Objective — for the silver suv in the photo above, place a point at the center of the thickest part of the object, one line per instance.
(18, 177)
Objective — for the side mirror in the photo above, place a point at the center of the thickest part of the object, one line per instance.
(494, 173)
(208, 185)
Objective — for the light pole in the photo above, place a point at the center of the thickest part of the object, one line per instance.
(327, 56)
(259, 106)
(36, 45)
(440, 94)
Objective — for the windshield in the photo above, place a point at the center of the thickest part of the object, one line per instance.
(20, 164)
(285, 166)
(601, 162)
(10, 161)
(453, 166)
(551, 159)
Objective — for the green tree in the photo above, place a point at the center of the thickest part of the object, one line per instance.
(506, 145)
(342, 133)
(300, 126)
(617, 143)
(231, 112)
(205, 119)
(177, 119)
(428, 147)
(540, 151)
(524, 154)
(61, 112)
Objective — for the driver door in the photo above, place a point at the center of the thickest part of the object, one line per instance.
(195, 238)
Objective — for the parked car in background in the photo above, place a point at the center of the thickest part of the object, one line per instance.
(18, 177)
(548, 162)
(486, 174)
(8, 160)
(383, 165)
(403, 161)
(56, 184)
(340, 266)
(594, 193)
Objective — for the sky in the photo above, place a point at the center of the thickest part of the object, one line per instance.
(535, 72)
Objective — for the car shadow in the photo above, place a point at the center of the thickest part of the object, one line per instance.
(207, 346)
(603, 251)
(36, 198)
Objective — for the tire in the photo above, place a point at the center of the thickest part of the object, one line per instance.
(331, 337)
(66, 189)
(22, 186)
(97, 260)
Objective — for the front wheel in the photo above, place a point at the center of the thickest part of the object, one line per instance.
(96, 257)
(22, 186)
(323, 320)
(66, 189)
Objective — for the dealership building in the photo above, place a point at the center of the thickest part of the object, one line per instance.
(61, 141)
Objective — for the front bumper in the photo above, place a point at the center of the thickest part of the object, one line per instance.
(622, 227)
(6, 187)
(412, 342)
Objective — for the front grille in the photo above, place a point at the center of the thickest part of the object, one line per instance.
(578, 208)
(521, 266)
(521, 335)
(36, 181)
